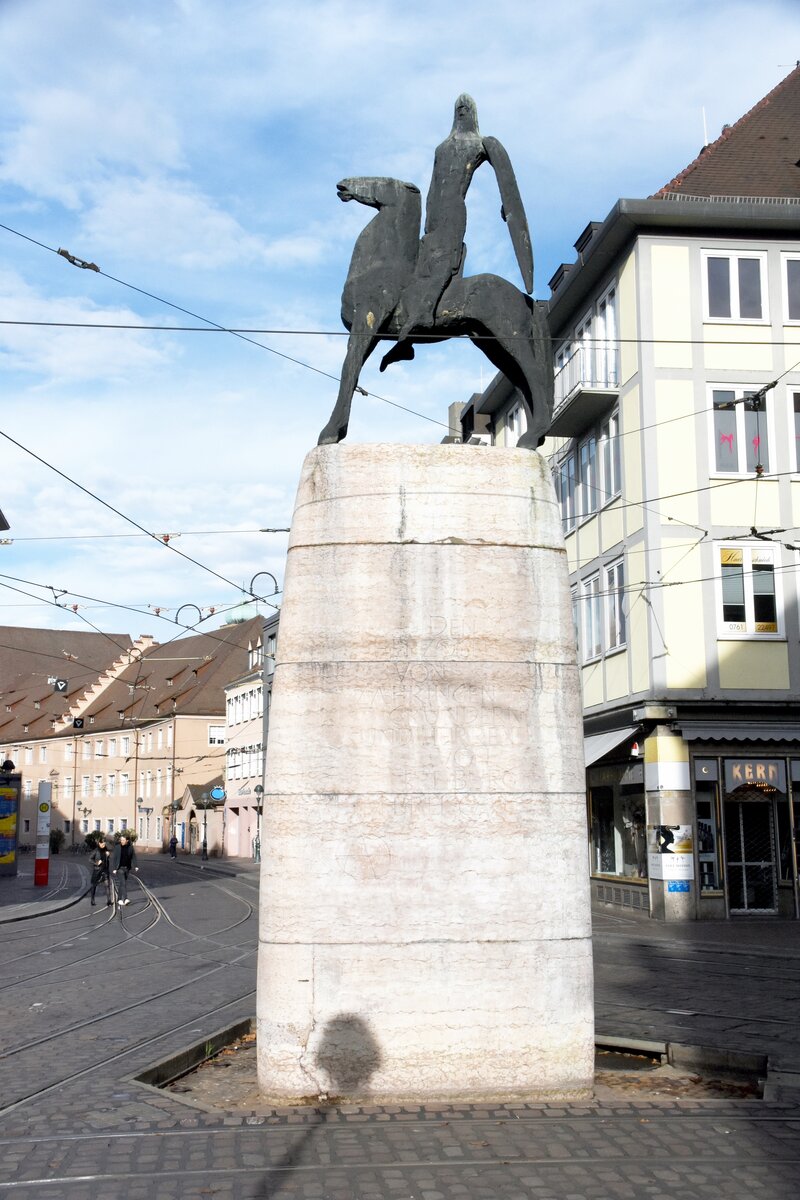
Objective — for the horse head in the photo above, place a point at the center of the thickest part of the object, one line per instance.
(376, 191)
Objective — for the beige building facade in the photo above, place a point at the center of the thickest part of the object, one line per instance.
(675, 449)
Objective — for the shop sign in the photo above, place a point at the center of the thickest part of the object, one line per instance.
(670, 851)
(768, 774)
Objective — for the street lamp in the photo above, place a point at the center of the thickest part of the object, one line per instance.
(259, 791)
(205, 803)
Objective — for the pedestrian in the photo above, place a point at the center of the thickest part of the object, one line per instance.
(122, 863)
(173, 847)
(100, 869)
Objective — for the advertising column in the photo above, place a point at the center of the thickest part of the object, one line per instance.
(41, 868)
(9, 821)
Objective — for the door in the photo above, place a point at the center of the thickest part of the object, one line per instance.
(750, 867)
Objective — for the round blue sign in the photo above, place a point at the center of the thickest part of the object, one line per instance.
(217, 793)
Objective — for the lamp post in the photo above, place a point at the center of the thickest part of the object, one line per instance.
(259, 791)
(174, 806)
(144, 812)
(205, 801)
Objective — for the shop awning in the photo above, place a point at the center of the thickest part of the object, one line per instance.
(600, 744)
(732, 731)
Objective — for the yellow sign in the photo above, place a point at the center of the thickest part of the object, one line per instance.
(44, 806)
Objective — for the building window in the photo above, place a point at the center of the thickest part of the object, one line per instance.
(216, 735)
(97, 826)
(791, 286)
(110, 825)
(123, 823)
(169, 737)
(66, 788)
(615, 614)
(734, 287)
(126, 745)
(741, 436)
(795, 450)
(111, 785)
(587, 486)
(85, 784)
(27, 786)
(68, 751)
(591, 618)
(87, 750)
(515, 425)
(610, 474)
(84, 825)
(112, 747)
(617, 824)
(565, 486)
(98, 785)
(43, 754)
(99, 748)
(747, 593)
(160, 739)
(28, 755)
(124, 783)
(67, 826)
(26, 826)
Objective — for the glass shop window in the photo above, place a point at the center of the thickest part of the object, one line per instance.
(618, 832)
(708, 839)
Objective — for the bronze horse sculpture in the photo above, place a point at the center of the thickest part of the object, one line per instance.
(507, 325)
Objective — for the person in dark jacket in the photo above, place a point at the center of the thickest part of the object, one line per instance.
(123, 862)
(100, 869)
(173, 847)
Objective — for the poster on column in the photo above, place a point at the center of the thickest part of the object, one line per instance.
(670, 851)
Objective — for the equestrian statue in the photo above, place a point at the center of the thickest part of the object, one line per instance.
(407, 291)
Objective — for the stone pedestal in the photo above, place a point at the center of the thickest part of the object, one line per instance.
(425, 928)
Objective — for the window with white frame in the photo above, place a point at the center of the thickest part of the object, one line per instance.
(169, 737)
(111, 785)
(610, 473)
(592, 630)
(85, 785)
(515, 425)
(587, 477)
(216, 735)
(740, 435)
(43, 754)
(68, 748)
(97, 825)
(29, 755)
(791, 287)
(123, 823)
(124, 783)
(735, 286)
(110, 824)
(112, 747)
(27, 787)
(748, 599)
(160, 739)
(87, 750)
(795, 448)
(125, 745)
(606, 372)
(85, 825)
(565, 486)
(66, 788)
(615, 612)
(99, 748)
(98, 785)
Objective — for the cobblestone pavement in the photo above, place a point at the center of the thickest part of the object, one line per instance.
(89, 999)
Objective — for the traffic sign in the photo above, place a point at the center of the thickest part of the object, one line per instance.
(77, 723)
(60, 685)
(217, 793)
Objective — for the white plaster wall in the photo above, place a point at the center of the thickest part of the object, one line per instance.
(425, 911)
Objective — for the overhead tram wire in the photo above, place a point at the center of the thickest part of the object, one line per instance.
(155, 537)
(215, 326)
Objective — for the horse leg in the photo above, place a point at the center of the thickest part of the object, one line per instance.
(359, 347)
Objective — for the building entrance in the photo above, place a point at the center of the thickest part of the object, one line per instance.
(751, 866)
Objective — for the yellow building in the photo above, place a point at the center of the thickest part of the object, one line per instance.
(675, 448)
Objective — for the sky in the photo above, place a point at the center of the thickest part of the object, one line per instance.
(191, 150)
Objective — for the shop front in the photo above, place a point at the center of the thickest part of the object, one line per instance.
(712, 833)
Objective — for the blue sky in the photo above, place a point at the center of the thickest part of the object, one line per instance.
(192, 149)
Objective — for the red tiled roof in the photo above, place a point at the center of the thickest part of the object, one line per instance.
(758, 156)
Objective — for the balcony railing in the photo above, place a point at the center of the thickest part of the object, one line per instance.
(585, 388)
